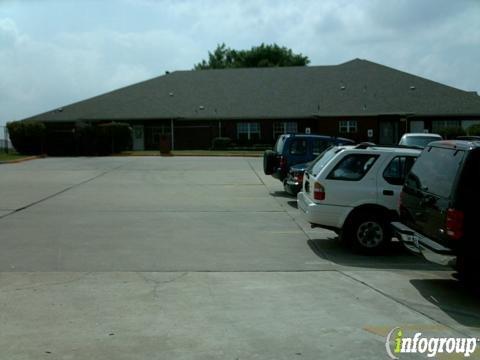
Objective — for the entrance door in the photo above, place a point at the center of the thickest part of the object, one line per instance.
(138, 137)
(155, 134)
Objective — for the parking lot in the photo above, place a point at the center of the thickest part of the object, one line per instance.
(196, 258)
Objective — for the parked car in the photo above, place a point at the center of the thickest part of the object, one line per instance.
(439, 205)
(354, 190)
(418, 139)
(292, 149)
(469, 137)
(293, 183)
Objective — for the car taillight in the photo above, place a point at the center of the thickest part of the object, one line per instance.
(282, 163)
(454, 224)
(318, 191)
(298, 177)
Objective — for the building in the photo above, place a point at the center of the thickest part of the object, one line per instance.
(358, 99)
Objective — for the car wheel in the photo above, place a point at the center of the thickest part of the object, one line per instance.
(285, 186)
(368, 233)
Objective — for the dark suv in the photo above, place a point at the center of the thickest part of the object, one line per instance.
(439, 205)
(292, 149)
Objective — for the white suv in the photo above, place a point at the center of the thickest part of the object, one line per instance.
(354, 191)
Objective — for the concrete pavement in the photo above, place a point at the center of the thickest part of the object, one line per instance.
(187, 258)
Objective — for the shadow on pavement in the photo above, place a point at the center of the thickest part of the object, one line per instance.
(453, 298)
(394, 257)
(293, 204)
(282, 194)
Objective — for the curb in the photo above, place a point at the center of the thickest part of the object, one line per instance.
(16, 161)
(192, 155)
(217, 155)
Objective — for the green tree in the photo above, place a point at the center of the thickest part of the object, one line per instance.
(258, 56)
(474, 130)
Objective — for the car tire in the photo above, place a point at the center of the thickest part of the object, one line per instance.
(467, 268)
(285, 186)
(269, 158)
(368, 233)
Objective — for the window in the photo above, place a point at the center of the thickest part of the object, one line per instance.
(352, 167)
(248, 131)
(467, 123)
(279, 144)
(421, 141)
(435, 171)
(298, 147)
(323, 159)
(437, 125)
(397, 170)
(319, 146)
(348, 126)
(284, 127)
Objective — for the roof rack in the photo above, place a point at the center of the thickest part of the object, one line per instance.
(366, 145)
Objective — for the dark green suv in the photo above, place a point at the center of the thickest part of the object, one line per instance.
(439, 206)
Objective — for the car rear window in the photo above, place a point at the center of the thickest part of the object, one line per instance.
(319, 163)
(280, 143)
(298, 147)
(319, 146)
(422, 141)
(435, 171)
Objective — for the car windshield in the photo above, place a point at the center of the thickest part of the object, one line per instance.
(323, 159)
(421, 141)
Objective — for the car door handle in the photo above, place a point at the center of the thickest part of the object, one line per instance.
(388, 192)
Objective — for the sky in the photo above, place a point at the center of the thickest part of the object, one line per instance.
(55, 52)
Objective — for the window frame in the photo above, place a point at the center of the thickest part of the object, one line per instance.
(438, 125)
(247, 128)
(403, 171)
(348, 126)
(281, 127)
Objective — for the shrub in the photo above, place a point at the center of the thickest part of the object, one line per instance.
(27, 136)
(85, 138)
(474, 130)
(451, 132)
(221, 143)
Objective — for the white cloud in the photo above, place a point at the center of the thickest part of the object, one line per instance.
(37, 75)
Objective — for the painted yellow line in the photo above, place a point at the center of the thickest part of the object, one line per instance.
(384, 330)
